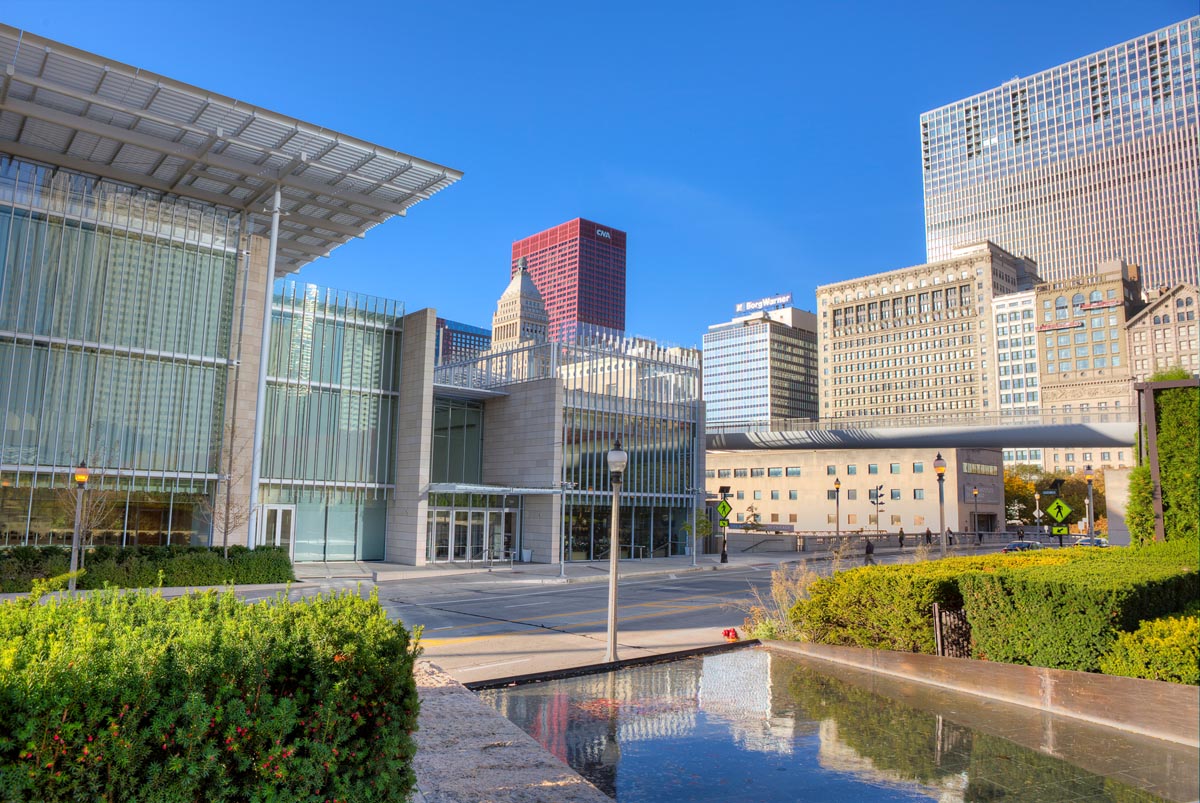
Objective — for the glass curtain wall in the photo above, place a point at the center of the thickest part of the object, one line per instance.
(649, 397)
(333, 387)
(116, 320)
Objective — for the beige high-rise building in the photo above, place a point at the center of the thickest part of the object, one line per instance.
(916, 341)
(1085, 369)
(1164, 334)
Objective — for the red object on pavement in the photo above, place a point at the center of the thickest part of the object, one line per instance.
(731, 634)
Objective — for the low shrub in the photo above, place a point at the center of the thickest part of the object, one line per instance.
(139, 566)
(1067, 616)
(133, 697)
(1167, 648)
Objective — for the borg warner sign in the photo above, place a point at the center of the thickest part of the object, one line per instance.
(763, 303)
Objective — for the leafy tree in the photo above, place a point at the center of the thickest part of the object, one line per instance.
(1178, 413)
(1139, 513)
(1018, 495)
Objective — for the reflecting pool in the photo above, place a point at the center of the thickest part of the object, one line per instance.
(753, 725)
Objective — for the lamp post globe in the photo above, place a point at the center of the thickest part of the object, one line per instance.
(617, 460)
(80, 476)
(837, 501)
(1091, 503)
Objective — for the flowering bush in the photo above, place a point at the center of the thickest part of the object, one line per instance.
(132, 697)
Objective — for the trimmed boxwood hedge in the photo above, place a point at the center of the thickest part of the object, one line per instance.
(139, 566)
(1160, 649)
(1065, 617)
(1058, 608)
(132, 697)
(889, 607)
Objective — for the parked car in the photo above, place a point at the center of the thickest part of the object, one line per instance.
(1020, 546)
(1091, 542)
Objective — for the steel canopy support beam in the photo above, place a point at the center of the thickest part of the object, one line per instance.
(260, 401)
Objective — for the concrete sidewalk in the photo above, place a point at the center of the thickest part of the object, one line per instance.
(373, 572)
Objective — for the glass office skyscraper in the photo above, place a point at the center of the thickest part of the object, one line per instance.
(761, 367)
(1091, 161)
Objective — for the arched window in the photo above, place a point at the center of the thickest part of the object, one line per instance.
(1166, 319)
(1077, 303)
(1060, 308)
(1157, 319)
(1190, 300)
(1095, 296)
(1179, 302)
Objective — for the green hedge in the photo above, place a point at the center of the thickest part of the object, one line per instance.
(1066, 616)
(1160, 649)
(132, 697)
(890, 607)
(139, 567)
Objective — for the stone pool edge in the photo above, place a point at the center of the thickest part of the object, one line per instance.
(467, 752)
(1153, 708)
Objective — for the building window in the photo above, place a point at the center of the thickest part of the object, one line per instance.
(741, 517)
(852, 518)
(872, 468)
(775, 496)
(709, 473)
(918, 493)
(774, 518)
(741, 494)
(758, 494)
(896, 494)
(793, 471)
(895, 468)
(757, 472)
(918, 468)
(724, 473)
(739, 473)
(792, 518)
(852, 494)
(831, 494)
(830, 518)
(851, 469)
(793, 495)
(775, 472)
(831, 471)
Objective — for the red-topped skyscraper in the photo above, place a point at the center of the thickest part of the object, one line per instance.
(579, 268)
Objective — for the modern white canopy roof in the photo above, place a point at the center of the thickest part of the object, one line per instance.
(68, 107)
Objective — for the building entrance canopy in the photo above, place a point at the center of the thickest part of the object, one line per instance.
(468, 488)
(68, 107)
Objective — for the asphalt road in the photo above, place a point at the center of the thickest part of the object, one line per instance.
(487, 631)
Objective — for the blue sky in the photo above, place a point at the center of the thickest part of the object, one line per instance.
(747, 150)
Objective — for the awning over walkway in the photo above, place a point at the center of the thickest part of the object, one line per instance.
(464, 488)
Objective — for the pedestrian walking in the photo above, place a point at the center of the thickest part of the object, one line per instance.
(900, 536)
(950, 536)
(979, 537)
(928, 536)
(1020, 533)
(869, 557)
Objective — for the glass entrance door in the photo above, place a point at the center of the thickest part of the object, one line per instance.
(276, 526)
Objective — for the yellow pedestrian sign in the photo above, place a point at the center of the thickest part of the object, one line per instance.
(723, 508)
(1059, 510)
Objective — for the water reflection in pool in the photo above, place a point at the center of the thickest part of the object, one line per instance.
(755, 726)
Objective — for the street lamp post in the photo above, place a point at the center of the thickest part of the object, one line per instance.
(975, 493)
(695, 492)
(1091, 502)
(1037, 511)
(617, 458)
(837, 507)
(81, 478)
(939, 465)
